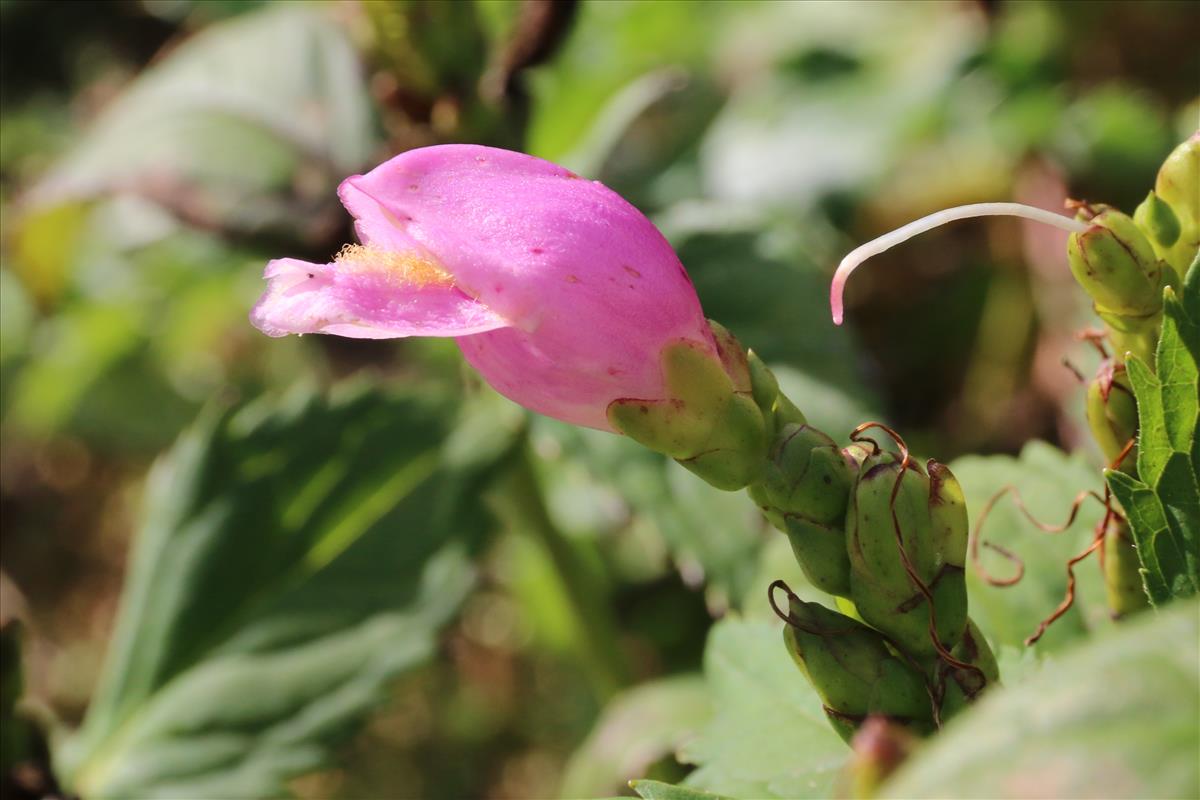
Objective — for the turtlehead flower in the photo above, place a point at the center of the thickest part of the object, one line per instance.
(557, 290)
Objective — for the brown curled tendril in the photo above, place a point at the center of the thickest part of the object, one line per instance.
(1110, 516)
(781, 584)
(976, 538)
(906, 462)
(1069, 599)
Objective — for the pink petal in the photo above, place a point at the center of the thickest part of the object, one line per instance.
(364, 302)
(592, 289)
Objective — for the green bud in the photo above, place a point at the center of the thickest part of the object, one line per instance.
(948, 510)
(1132, 335)
(885, 594)
(1178, 186)
(1122, 575)
(806, 475)
(820, 551)
(957, 686)
(1112, 413)
(1115, 264)
(853, 671)
(1159, 223)
(710, 423)
(879, 748)
(775, 406)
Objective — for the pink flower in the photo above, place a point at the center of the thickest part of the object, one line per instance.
(557, 290)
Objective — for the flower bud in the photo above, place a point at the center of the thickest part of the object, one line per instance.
(1122, 570)
(879, 748)
(957, 686)
(1156, 219)
(853, 671)
(1178, 187)
(892, 505)
(1115, 264)
(1112, 413)
(803, 491)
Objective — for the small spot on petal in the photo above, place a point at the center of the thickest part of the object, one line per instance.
(572, 279)
(537, 251)
(631, 270)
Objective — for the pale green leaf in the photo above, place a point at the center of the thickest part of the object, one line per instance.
(769, 736)
(657, 790)
(637, 728)
(1047, 481)
(1116, 718)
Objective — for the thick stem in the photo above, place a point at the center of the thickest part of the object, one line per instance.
(521, 505)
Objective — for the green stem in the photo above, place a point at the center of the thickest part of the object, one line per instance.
(521, 505)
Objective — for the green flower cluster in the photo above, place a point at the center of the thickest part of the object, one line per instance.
(1124, 263)
(870, 526)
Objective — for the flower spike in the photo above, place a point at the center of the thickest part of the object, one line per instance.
(934, 220)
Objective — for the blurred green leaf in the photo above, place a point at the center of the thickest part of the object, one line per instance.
(657, 790)
(15, 732)
(1047, 481)
(598, 484)
(247, 125)
(1163, 502)
(760, 278)
(768, 736)
(611, 45)
(827, 94)
(637, 728)
(1118, 717)
(293, 558)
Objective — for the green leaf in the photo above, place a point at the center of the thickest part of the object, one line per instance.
(768, 736)
(597, 483)
(1117, 717)
(637, 728)
(1047, 481)
(292, 559)
(248, 124)
(657, 790)
(1163, 502)
(16, 733)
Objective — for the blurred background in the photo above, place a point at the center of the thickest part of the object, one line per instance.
(154, 155)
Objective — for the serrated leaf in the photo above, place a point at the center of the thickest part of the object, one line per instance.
(293, 558)
(1047, 481)
(248, 124)
(1163, 502)
(769, 736)
(1118, 717)
(637, 728)
(657, 790)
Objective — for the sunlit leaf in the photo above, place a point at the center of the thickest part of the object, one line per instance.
(636, 729)
(1046, 481)
(1118, 717)
(292, 559)
(768, 736)
(1163, 502)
